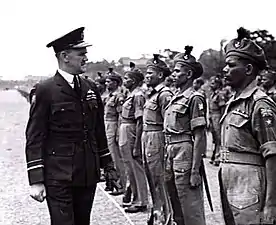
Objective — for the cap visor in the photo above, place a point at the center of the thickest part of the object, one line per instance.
(82, 45)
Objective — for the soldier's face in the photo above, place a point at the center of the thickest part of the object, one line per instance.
(180, 74)
(196, 85)
(267, 80)
(234, 72)
(128, 82)
(76, 60)
(152, 77)
(111, 85)
(213, 84)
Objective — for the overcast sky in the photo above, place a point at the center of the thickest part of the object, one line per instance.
(120, 28)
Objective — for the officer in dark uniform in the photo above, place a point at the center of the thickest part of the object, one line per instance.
(66, 143)
(269, 83)
(247, 176)
(184, 125)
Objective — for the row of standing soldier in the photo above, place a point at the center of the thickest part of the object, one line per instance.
(157, 137)
(165, 144)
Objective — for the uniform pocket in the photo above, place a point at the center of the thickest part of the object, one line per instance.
(180, 109)
(243, 201)
(59, 162)
(182, 172)
(62, 150)
(151, 106)
(63, 107)
(238, 119)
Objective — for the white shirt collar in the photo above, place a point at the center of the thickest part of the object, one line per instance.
(67, 76)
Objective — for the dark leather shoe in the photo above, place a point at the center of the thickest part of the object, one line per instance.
(117, 192)
(108, 189)
(136, 209)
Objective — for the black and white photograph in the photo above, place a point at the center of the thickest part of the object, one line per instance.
(116, 112)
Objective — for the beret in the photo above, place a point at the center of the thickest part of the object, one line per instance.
(244, 47)
(189, 60)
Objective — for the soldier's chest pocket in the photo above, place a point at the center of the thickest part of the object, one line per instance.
(180, 110)
(238, 119)
(126, 108)
(63, 109)
(111, 103)
(151, 105)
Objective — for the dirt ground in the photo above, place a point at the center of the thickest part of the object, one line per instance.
(16, 207)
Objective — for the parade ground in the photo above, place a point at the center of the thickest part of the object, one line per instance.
(17, 207)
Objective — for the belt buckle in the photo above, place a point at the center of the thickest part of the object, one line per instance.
(167, 138)
(225, 156)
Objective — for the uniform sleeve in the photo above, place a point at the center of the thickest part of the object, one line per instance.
(138, 102)
(198, 112)
(103, 151)
(164, 99)
(36, 133)
(264, 126)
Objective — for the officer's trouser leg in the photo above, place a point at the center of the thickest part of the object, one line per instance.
(242, 189)
(69, 205)
(191, 200)
(134, 168)
(153, 152)
(112, 139)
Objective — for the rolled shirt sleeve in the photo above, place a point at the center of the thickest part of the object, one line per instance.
(264, 126)
(198, 109)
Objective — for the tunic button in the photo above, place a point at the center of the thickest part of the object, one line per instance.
(182, 170)
(83, 114)
(149, 155)
(62, 109)
(226, 127)
(54, 152)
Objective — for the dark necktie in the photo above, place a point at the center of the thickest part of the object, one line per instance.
(77, 87)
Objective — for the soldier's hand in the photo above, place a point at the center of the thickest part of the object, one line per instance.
(195, 179)
(38, 192)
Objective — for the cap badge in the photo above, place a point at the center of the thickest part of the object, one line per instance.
(237, 44)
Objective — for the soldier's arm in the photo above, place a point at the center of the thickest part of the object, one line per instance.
(36, 133)
(164, 99)
(264, 128)
(119, 104)
(198, 125)
(138, 101)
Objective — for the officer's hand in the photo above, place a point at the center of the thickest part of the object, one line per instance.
(111, 177)
(38, 192)
(195, 179)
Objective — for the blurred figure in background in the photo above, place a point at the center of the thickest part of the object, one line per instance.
(216, 103)
(100, 83)
(269, 83)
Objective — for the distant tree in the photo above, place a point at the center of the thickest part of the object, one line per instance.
(268, 43)
(212, 62)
